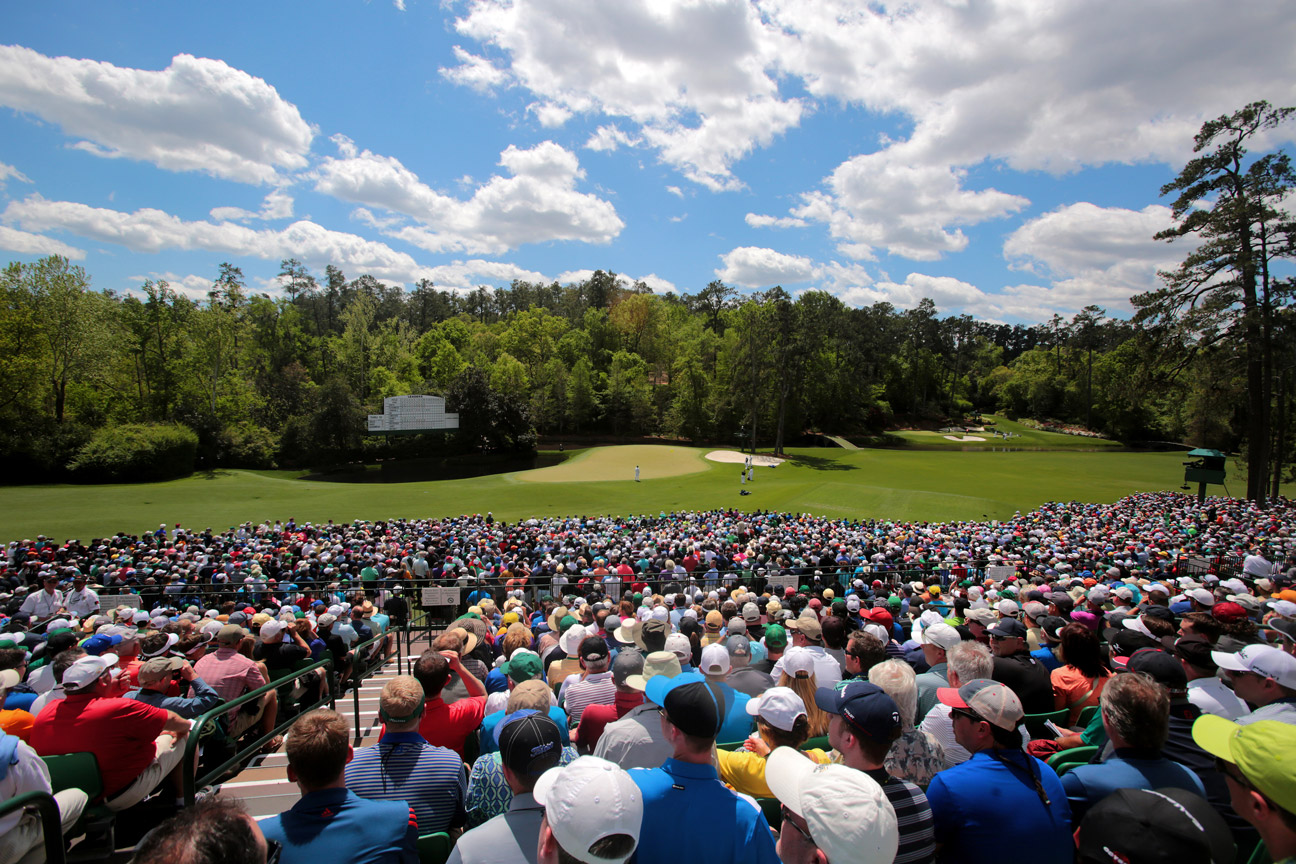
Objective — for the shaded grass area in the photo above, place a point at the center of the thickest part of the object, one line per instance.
(885, 484)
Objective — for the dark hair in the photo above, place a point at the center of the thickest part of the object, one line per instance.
(152, 643)
(213, 831)
(835, 632)
(432, 671)
(64, 660)
(12, 658)
(1203, 624)
(776, 737)
(867, 649)
(1080, 649)
(613, 847)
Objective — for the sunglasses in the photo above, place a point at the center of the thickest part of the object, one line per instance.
(787, 820)
(1229, 770)
(965, 714)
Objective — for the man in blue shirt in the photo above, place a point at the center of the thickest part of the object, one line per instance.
(972, 801)
(403, 766)
(155, 678)
(330, 822)
(1136, 715)
(692, 711)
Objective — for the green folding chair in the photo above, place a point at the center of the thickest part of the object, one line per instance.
(1064, 761)
(434, 848)
(81, 771)
(1086, 716)
(1035, 722)
(773, 812)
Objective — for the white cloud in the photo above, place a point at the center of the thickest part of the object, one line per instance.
(609, 138)
(25, 243)
(399, 4)
(949, 294)
(198, 114)
(539, 203)
(697, 78)
(757, 267)
(652, 280)
(676, 191)
(550, 115)
(277, 205)
(758, 220)
(1091, 254)
(151, 231)
(191, 286)
(465, 275)
(474, 71)
(9, 172)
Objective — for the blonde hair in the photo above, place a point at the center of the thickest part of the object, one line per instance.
(897, 678)
(402, 696)
(805, 687)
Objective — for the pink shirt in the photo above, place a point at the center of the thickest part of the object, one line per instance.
(229, 673)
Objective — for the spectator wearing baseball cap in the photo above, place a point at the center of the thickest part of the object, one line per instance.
(742, 677)
(1259, 760)
(595, 685)
(775, 642)
(1265, 677)
(1015, 667)
(865, 724)
(935, 640)
(570, 829)
(781, 721)
(595, 718)
(969, 822)
(231, 674)
(529, 745)
(692, 710)
(807, 634)
(1136, 716)
(1205, 689)
(737, 722)
(830, 812)
(637, 739)
(156, 677)
(1165, 826)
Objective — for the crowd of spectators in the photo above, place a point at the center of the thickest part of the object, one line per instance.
(667, 687)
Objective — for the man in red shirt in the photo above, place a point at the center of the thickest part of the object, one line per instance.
(448, 725)
(136, 744)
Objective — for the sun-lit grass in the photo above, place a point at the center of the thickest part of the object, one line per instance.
(884, 484)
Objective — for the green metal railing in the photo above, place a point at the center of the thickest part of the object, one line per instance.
(51, 822)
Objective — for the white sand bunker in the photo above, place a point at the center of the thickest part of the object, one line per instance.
(758, 460)
(965, 437)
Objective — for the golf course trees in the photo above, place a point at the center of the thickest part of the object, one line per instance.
(1231, 206)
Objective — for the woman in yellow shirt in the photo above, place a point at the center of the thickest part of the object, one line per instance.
(781, 721)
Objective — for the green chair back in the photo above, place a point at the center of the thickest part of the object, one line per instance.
(434, 848)
(1086, 715)
(1065, 760)
(773, 812)
(75, 771)
(818, 743)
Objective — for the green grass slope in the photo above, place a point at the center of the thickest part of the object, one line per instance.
(1026, 437)
(888, 484)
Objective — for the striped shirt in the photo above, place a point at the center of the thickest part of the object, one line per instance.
(488, 792)
(913, 816)
(404, 767)
(596, 689)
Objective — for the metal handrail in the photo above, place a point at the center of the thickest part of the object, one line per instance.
(192, 783)
(51, 821)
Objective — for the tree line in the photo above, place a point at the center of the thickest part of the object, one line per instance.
(287, 380)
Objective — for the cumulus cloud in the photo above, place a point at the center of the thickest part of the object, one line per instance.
(197, 114)
(759, 220)
(538, 203)
(757, 267)
(151, 231)
(1090, 254)
(192, 286)
(652, 280)
(698, 79)
(25, 243)
(609, 138)
(277, 205)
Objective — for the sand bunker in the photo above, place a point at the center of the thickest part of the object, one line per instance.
(965, 437)
(758, 460)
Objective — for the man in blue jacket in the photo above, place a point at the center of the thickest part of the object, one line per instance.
(330, 822)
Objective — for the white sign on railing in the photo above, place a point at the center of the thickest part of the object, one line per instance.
(1000, 572)
(440, 597)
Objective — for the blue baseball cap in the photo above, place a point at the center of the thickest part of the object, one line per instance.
(100, 643)
(865, 706)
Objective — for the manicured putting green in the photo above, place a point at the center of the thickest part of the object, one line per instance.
(618, 463)
(902, 485)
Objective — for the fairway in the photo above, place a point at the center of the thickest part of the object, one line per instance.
(1023, 438)
(882, 484)
(618, 463)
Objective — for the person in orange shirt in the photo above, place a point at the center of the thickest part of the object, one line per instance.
(1079, 682)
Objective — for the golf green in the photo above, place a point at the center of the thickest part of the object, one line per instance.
(883, 484)
(610, 464)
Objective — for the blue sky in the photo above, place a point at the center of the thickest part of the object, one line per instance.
(1003, 158)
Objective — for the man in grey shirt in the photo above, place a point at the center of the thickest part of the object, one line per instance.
(637, 740)
(530, 744)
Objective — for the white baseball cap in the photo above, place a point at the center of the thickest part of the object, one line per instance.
(271, 629)
(1285, 608)
(87, 671)
(846, 810)
(778, 706)
(715, 660)
(797, 660)
(588, 800)
(940, 635)
(679, 645)
(1202, 596)
(1263, 660)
